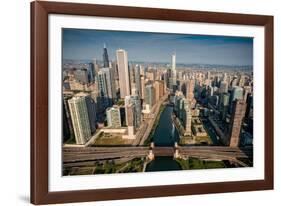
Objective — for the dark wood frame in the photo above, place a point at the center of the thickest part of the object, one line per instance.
(39, 102)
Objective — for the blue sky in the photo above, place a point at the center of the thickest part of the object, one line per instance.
(82, 44)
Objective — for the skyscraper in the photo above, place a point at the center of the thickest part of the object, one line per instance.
(182, 86)
(149, 96)
(159, 89)
(123, 71)
(174, 73)
(234, 82)
(91, 72)
(247, 92)
(103, 88)
(91, 109)
(110, 83)
(142, 87)
(224, 103)
(80, 119)
(187, 116)
(224, 77)
(171, 83)
(136, 102)
(237, 116)
(95, 66)
(150, 75)
(130, 120)
(223, 87)
(115, 74)
(236, 93)
(249, 110)
(132, 76)
(113, 117)
(68, 131)
(208, 75)
(130, 111)
(241, 82)
(190, 84)
(106, 85)
(105, 57)
(180, 103)
(138, 80)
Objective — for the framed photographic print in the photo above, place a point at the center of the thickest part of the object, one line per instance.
(131, 102)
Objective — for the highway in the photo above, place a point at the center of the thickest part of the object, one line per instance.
(76, 154)
(88, 154)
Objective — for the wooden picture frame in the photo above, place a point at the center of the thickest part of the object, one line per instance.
(39, 102)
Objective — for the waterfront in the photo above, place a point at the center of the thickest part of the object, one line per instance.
(115, 106)
(164, 135)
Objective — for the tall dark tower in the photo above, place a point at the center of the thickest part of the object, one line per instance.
(105, 57)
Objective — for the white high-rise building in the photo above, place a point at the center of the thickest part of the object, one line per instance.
(123, 71)
(174, 73)
(80, 119)
(91, 109)
(173, 62)
(149, 98)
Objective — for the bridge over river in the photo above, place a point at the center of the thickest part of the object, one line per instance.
(83, 155)
(164, 138)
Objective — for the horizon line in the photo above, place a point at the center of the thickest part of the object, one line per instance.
(141, 61)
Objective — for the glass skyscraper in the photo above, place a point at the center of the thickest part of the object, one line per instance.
(105, 57)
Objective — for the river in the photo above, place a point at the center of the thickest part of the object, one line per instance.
(165, 135)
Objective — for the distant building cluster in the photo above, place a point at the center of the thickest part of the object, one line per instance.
(116, 93)
(224, 98)
(111, 93)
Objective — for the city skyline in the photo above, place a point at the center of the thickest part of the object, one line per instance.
(125, 116)
(82, 44)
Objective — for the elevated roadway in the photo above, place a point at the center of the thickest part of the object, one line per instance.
(87, 154)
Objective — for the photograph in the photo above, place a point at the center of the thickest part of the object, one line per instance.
(131, 102)
(135, 101)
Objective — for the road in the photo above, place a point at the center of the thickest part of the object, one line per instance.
(150, 121)
(86, 154)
